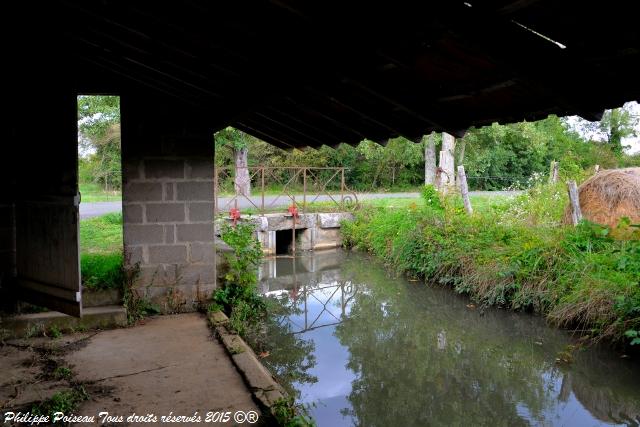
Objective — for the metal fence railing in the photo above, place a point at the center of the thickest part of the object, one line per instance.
(263, 189)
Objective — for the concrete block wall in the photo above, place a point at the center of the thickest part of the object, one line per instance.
(168, 228)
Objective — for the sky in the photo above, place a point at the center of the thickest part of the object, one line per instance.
(581, 125)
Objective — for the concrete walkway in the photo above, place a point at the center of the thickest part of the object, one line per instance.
(169, 364)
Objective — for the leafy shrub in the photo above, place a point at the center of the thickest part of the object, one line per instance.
(239, 296)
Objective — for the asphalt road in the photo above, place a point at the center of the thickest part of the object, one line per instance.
(88, 210)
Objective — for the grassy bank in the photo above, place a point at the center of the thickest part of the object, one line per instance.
(101, 251)
(480, 202)
(92, 192)
(515, 255)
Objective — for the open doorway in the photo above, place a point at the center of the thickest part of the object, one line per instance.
(100, 187)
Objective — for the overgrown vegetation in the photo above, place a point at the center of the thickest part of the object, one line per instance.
(517, 256)
(247, 310)
(238, 296)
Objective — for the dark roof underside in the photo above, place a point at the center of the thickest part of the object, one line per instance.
(303, 73)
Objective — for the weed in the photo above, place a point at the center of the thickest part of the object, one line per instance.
(54, 332)
(62, 373)
(236, 350)
(33, 331)
(287, 414)
(138, 305)
(64, 401)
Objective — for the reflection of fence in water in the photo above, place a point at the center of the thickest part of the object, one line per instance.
(340, 293)
(299, 186)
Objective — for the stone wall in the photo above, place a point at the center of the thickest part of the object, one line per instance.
(318, 230)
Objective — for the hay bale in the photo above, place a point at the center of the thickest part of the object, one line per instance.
(608, 196)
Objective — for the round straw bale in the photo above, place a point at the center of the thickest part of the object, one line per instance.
(608, 196)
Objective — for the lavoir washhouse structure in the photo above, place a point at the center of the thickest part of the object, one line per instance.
(293, 73)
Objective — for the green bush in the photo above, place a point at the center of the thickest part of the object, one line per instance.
(238, 296)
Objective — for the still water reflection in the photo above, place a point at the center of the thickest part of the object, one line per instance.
(363, 348)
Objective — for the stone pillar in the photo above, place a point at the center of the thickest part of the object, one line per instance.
(447, 178)
(168, 212)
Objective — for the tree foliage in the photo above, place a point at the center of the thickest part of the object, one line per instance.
(618, 124)
(496, 156)
(99, 128)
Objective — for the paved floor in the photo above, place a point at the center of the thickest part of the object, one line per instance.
(169, 364)
(88, 210)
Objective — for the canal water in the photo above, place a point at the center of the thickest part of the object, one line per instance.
(360, 347)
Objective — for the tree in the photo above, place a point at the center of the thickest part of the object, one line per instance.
(99, 134)
(617, 124)
(238, 141)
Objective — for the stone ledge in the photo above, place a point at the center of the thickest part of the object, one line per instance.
(106, 317)
(265, 389)
(101, 297)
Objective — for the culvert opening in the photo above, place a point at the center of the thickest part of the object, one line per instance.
(284, 240)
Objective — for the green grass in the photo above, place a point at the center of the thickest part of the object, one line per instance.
(101, 256)
(92, 192)
(480, 203)
(515, 254)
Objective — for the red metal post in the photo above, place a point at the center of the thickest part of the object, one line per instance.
(304, 190)
(262, 189)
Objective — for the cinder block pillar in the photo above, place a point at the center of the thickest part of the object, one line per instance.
(168, 211)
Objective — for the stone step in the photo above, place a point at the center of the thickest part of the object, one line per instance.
(35, 324)
(100, 298)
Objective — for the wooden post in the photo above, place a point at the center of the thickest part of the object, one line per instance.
(464, 189)
(553, 173)
(574, 200)
(596, 169)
